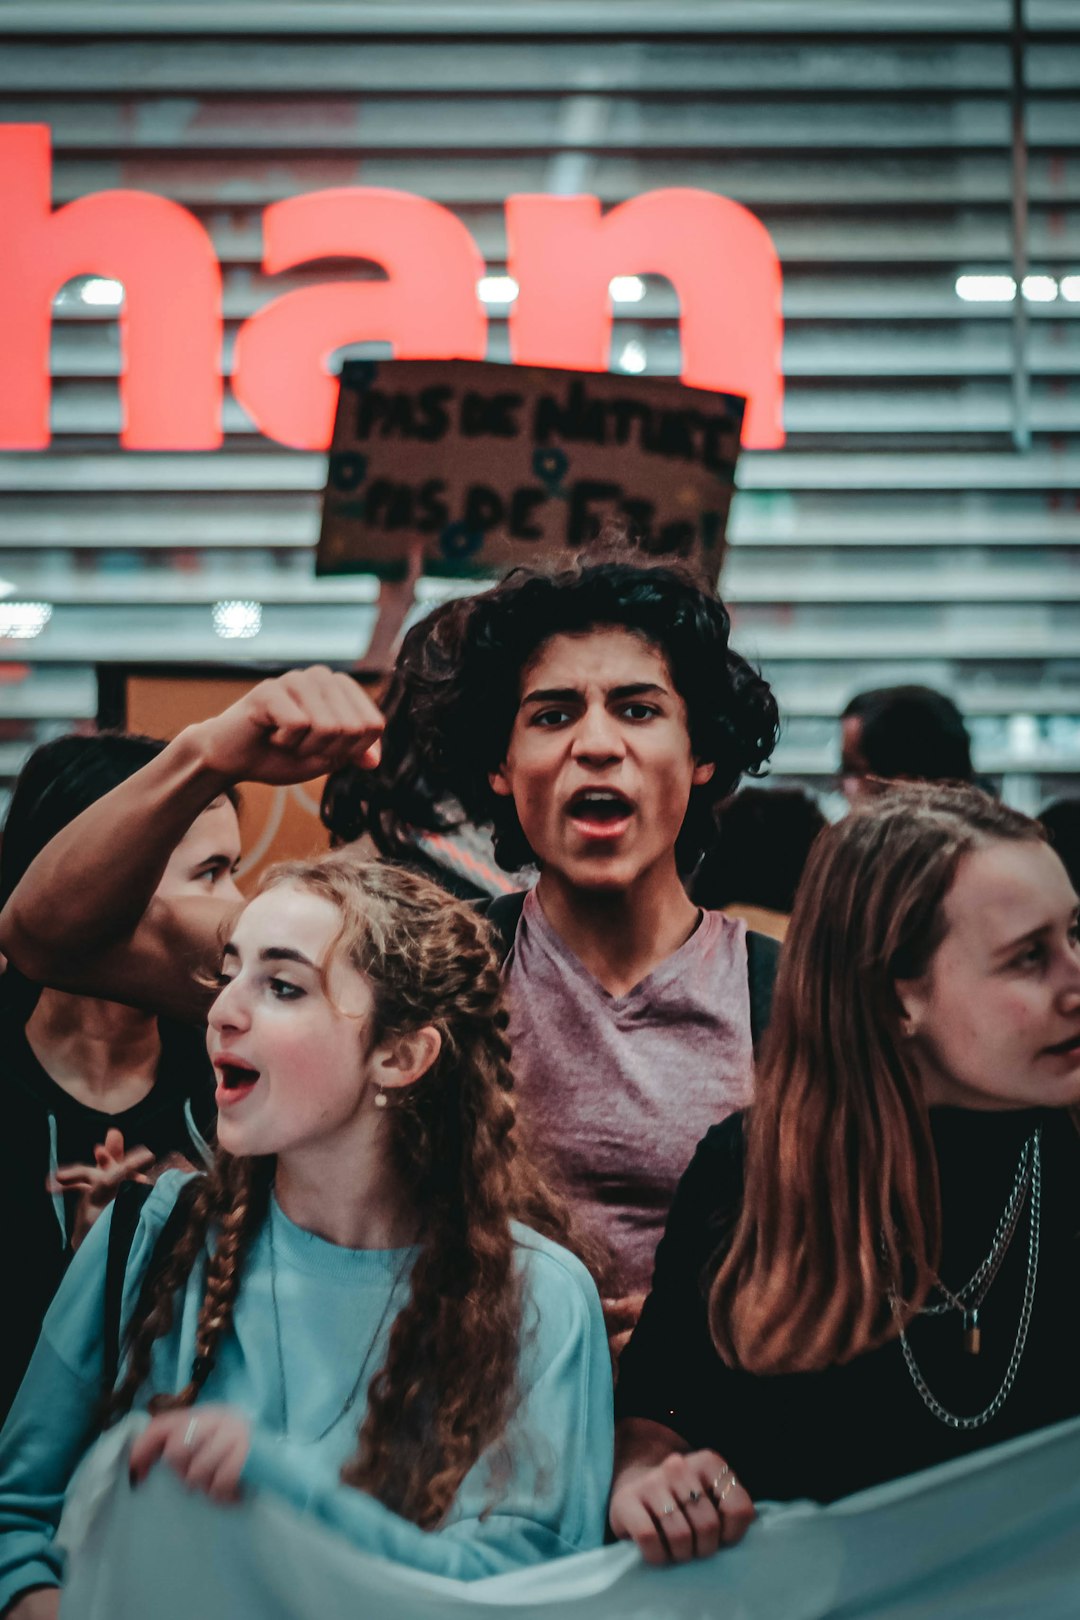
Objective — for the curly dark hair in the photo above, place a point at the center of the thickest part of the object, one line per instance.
(457, 684)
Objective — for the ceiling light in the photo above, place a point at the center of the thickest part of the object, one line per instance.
(103, 291)
(632, 357)
(497, 289)
(1070, 289)
(986, 289)
(237, 621)
(626, 289)
(1040, 289)
(23, 620)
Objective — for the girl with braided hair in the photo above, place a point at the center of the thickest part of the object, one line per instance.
(354, 1314)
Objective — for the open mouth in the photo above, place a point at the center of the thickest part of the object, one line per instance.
(1068, 1048)
(600, 812)
(235, 1080)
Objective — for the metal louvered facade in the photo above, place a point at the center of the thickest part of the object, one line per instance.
(899, 535)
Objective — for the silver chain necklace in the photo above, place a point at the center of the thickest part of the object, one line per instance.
(969, 1298)
(1029, 1175)
(351, 1398)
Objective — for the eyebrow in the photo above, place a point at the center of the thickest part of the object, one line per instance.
(274, 953)
(571, 694)
(1033, 933)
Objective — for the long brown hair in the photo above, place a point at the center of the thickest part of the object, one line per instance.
(448, 1386)
(841, 1207)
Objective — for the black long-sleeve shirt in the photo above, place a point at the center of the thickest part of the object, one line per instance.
(824, 1435)
(42, 1126)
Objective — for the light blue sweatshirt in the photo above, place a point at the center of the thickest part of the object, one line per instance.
(550, 1501)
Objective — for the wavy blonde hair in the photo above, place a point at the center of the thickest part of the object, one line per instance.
(448, 1386)
(841, 1206)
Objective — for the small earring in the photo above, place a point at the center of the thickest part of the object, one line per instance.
(380, 1098)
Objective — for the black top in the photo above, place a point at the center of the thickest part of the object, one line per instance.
(34, 1251)
(824, 1435)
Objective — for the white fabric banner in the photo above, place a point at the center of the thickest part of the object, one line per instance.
(993, 1537)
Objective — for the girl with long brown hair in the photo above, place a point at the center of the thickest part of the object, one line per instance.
(876, 1268)
(351, 1314)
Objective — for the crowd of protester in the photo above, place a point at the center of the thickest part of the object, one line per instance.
(487, 1176)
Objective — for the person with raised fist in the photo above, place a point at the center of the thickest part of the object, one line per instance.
(79, 919)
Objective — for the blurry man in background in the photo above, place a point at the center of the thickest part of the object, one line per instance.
(902, 733)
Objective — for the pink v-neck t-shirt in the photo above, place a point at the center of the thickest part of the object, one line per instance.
(615, 1092)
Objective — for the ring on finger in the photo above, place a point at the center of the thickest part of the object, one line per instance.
(190, 1432)
(695, 1495)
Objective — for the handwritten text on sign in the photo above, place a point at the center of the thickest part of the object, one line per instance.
(485, 465)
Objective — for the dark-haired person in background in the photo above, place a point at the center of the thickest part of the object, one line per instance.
(594, 718)
(902, 733)
(1061, 820)
(90, 1091)
(754, 869)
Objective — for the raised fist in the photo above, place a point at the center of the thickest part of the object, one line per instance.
(292, 728)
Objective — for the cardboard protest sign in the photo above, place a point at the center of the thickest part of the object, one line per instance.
(485, 466)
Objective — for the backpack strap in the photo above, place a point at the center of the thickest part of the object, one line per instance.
(127, 1210)
(762, 959)
(504, 914)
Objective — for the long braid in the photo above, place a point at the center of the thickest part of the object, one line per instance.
(156, 1306)
(233, 1197)
(459, 1332)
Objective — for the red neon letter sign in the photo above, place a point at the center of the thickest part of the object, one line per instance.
(563, 254)
(429, 309)
(170, 326)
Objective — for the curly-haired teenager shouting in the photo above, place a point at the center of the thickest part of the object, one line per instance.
(347, 1312)
(595, 718)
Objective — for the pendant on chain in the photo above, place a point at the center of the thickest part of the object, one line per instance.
(972, 1332)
